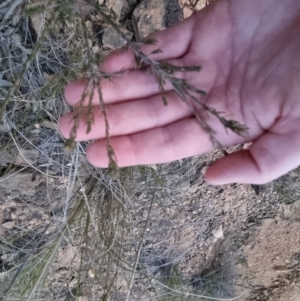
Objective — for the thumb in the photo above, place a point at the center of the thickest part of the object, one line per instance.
(268, 158)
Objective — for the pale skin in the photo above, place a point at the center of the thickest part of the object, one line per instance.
(249, 51)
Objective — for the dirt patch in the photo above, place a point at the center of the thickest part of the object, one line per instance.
(274, 250)
(271, 258)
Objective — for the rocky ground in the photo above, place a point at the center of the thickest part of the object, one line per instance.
(69, 232)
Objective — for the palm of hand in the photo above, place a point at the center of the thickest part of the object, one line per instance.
(247, 50)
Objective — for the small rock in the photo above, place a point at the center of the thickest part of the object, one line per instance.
(27, 156)
(218, 234)
(200, 4)
(113, 40)
(49, 125)
(8, 225)
(101, 2)
(149, 15)
(187, 12)
(91, 273)
(109, 3)
(190, 6)
(89, 25)
(83, 8)
(13, 215)
(96, 48)
(120, 7)
(153, 166)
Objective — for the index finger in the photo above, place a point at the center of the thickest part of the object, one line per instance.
(173, 43)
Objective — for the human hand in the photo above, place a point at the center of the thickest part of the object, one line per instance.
(249, 52)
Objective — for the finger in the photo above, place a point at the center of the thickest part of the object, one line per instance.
(134, 84)
(172, 42)
(127, 118)
(268, 158)
(178, 140)
(131, 85)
